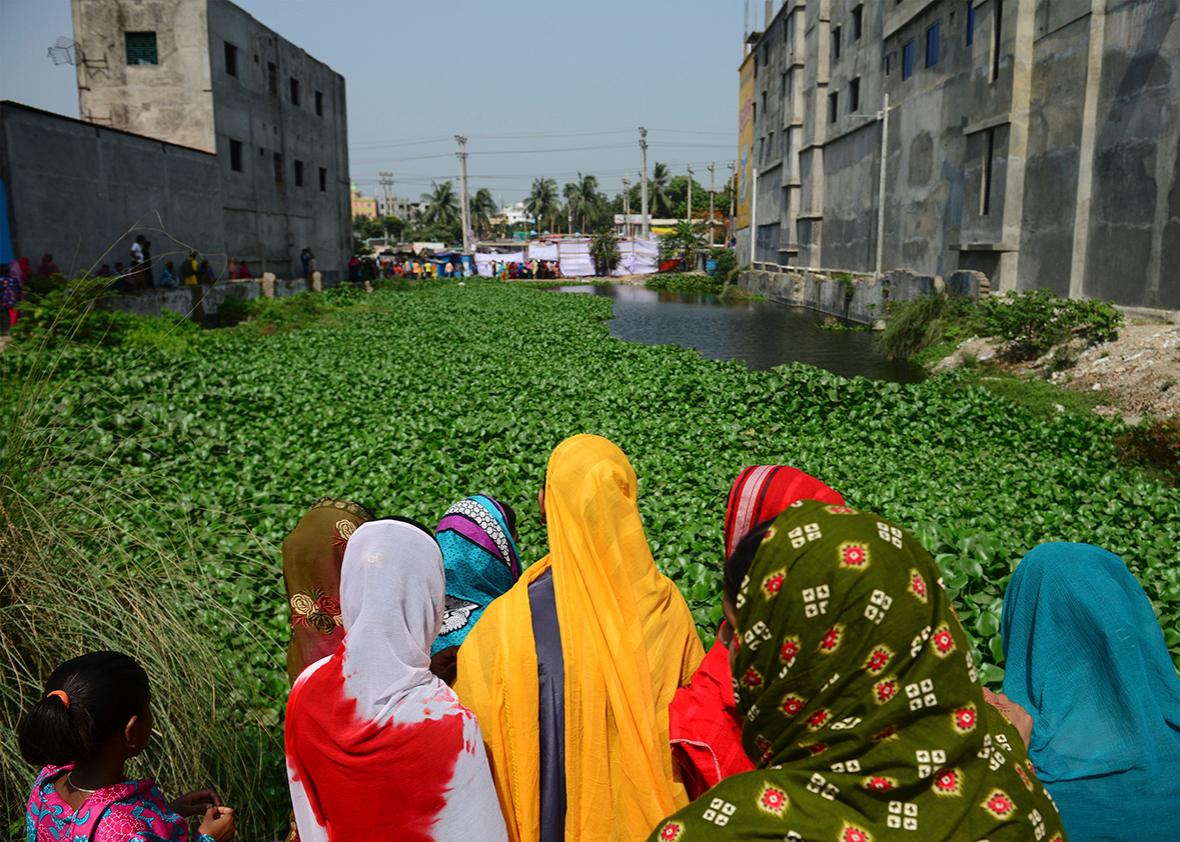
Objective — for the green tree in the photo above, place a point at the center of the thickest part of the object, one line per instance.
(483, 207)
(658, 196)
(604, 248)
(685, 242)
(442, 205)
(543, 203)
(587, 204)
(365, 227)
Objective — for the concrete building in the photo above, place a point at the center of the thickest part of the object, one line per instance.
(1033, 140)
(362, 205)
(205, 76)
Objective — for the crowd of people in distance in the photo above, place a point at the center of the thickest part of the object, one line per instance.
(526, 270)
(443, 691)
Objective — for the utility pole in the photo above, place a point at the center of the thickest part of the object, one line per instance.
(626, 207)
(712, 174)
(462, 156)
(643, 185)
(688, 206)
(386, 181)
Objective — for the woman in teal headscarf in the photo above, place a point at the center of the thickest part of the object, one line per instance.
(478, 540)
(1085, 656)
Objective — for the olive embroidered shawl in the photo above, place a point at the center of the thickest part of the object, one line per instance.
(861, 701)
(312, 555)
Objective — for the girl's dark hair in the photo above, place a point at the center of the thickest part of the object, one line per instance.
(738, 563)
(105, 690)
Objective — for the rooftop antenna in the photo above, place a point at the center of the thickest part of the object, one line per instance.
(64, 51)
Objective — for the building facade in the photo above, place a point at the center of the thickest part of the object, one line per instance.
(206, 75)
(1037, 141)
(362, 205)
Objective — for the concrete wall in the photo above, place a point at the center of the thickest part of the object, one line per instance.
(858, 298)
(81, 192)
(172, 100)
(1045, 153)
(200, 302)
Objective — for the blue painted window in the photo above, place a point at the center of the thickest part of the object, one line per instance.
(970, 22)
(907, 60)
(932, 45)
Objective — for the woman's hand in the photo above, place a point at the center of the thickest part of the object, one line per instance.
(194, 803)
(1013, 712)
(219, 823)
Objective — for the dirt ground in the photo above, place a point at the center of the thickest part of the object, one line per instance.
(1140, 369)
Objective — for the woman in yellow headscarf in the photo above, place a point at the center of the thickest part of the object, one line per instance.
(571, 672)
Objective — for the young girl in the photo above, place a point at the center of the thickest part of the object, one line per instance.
(95, 715)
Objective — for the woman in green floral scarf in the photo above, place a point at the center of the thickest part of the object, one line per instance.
(862, 705)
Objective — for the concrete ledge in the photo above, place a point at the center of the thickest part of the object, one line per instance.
(855, 296)
(200, 302)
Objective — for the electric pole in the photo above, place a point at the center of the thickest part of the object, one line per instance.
(712, 172)
(386, 181)
(689, 206)
(462, 156)
(626, 207)
(643, 185)
(732, 201)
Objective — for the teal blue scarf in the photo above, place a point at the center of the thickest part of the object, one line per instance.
(480, 560)
(1086, 657)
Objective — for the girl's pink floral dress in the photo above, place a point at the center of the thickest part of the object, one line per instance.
(132, 811)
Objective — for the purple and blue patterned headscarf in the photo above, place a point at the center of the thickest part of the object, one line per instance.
(480, 559)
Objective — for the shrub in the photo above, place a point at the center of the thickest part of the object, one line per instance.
(1154, 444)
(604, 248)
(920, 323)
(726, 264)
(681, 282)
(1032, 322)
(232, 311)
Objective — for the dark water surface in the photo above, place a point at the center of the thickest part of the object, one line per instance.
(760, 333)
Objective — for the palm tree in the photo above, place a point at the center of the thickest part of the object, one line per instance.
(657, 191)
(442, 205)
(542, 202)
(584, 199)
(483, 206)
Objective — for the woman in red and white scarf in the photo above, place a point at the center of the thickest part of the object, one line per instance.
(704, 728)
(377, 746)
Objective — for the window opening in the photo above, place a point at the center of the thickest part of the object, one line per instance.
(141, 48)
(932, 45)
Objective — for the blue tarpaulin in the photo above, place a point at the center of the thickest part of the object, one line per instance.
(6, 254)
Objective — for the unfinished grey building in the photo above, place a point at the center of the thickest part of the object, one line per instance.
(206, 75)
(1037, 141)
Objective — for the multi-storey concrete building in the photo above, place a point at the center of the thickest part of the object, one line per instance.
(206, 75)
(1037, 141)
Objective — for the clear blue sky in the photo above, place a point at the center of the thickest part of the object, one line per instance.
(514, 76)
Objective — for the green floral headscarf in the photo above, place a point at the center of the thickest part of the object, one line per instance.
(862, 704)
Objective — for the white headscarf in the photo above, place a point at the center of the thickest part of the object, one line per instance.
(392, 594)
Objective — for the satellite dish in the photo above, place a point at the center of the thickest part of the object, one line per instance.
(64, 51)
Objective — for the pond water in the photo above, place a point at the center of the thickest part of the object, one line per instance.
(760, 333)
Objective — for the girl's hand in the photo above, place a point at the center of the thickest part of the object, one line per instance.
(195, 803)
(219, 823)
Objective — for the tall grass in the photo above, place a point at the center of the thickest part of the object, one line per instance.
(79, 571)
(920, 323)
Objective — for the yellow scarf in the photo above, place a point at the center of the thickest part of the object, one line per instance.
(628, 642)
